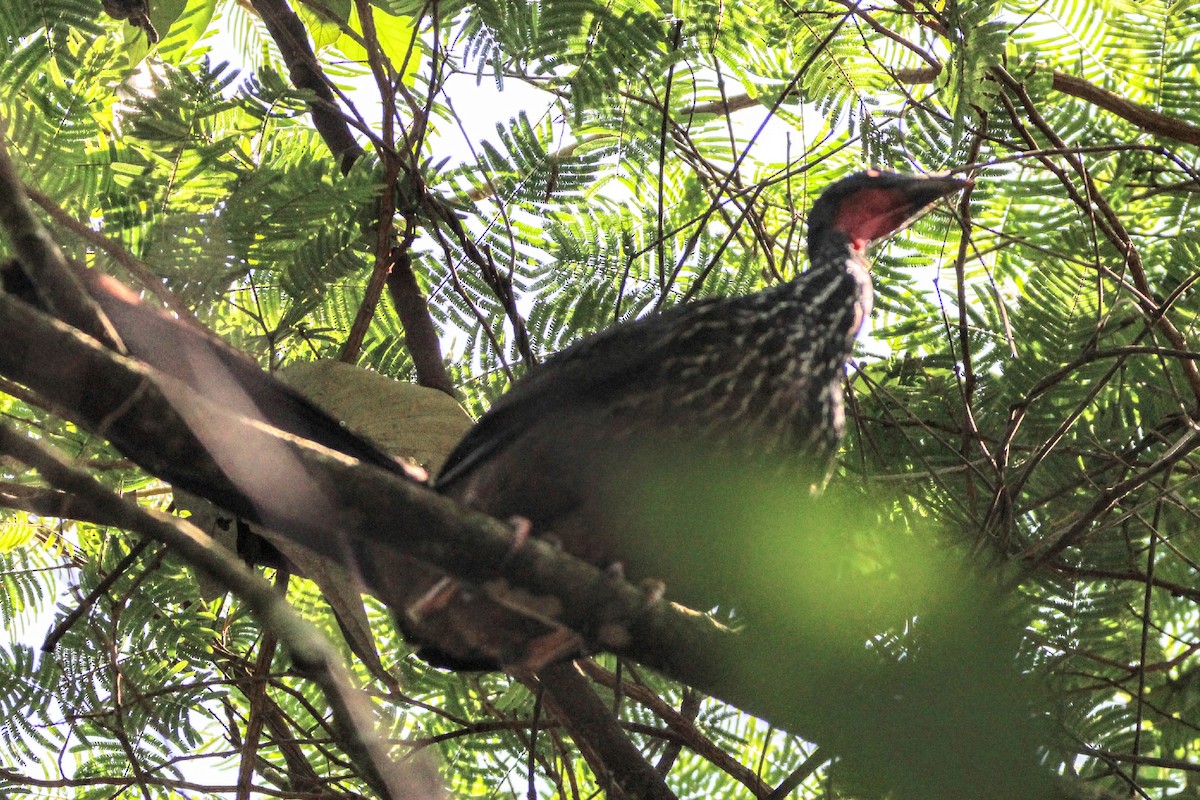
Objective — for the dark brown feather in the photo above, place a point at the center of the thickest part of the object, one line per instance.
(748, 381)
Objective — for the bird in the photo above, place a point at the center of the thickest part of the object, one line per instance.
(751, 380)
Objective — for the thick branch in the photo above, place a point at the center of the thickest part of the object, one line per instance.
(289, 35)
(1143, 118)
(324, 499)
(350, 511)
(597, 732)
(48, 503)
(420, 334)
(309, 649)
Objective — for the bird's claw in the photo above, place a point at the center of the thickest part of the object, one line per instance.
(522, 530)
(615, 570)
(654, 590)
(434, 600)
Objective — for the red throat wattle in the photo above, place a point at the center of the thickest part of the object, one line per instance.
(871, 214)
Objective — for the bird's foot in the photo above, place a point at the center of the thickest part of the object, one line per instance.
(615, 634)
(558, 645)
(615, 570)
(436, 599)
(522, 529)
(654, 590)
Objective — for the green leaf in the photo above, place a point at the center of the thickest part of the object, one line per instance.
(396, 36)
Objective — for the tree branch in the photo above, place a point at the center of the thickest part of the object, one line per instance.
(137, 268)
(352, 511)
(1145, 119)
(309, 490)
(599, 736)
(289, 35)
(291, 38)
(51, 278)
(309, 649)
(1141, 117)
(420, 334)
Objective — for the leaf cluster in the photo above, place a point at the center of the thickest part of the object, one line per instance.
(1028, 387)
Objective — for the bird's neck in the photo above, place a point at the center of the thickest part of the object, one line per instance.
(842, 270)
(856, 267)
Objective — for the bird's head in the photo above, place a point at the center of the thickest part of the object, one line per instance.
(870, 205)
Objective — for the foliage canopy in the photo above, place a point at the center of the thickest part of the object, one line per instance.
(1028, 388)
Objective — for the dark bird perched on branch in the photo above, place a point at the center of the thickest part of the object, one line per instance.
(748, 381)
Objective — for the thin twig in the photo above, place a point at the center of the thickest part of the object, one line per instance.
(81, 608)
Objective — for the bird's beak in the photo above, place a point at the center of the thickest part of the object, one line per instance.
(923, 192)
(917, 196)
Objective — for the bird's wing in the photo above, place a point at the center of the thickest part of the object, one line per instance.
(589, 374)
